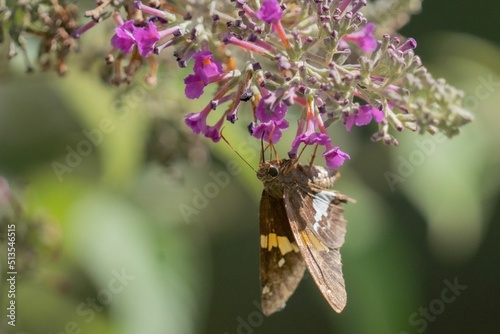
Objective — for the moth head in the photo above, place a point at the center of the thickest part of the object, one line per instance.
(268, 171)
(276, 175)
(271, 170)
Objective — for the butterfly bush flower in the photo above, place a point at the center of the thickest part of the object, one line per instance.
(334, 157)
(205, 66)
(124, 37)
(127, 35)
(364, 116)
(84, 28)
(270, 109)
(269, 131)
(213, 132)
(364, 38)
(325, 60)
(195, 86)
(205, 71)
(198, 121)
(307, 134)
(270, 112)
(271, 13)
(146, 38)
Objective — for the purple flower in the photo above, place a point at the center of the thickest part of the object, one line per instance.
(213, 132)
(269, 131)
(146, 38)
(197, 121)
(410, 44)
(364, 116)
(334, 156)
(205, 69)
(194, 86)
(268, 109)
(270, 11)
(308, 137)
(271, 115)
(205, 66)
(79, 31)
(378, 115)
(124, 37)
(364, 38)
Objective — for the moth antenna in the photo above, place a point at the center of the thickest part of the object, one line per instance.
(271, 147)
(224, 138)
(262, 149)
(273, 150)
(300, 154)
(313, 156)
(276, 153)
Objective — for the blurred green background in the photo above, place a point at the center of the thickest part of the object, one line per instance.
(115, 234)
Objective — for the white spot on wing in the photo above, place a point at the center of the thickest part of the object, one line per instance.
(321, 202)
(281, 262)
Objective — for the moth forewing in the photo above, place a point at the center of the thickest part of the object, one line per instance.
(281, 265)
(319, 245)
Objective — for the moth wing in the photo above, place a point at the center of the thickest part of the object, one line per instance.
(281, 264)
(316, 219)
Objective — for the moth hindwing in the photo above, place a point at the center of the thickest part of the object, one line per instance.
(301, 224)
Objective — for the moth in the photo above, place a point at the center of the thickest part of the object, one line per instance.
(301, 226)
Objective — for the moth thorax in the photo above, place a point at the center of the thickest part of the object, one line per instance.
(274, 188)
(274, 177)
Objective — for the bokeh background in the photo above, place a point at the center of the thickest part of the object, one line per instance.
(149, 229)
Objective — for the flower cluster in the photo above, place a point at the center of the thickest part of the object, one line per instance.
(51, 22)
(324, 57)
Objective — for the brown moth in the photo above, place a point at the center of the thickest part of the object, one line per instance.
(301, 226)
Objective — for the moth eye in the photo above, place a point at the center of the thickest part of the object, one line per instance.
(273, 171)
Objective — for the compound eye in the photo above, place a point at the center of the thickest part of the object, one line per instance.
(273, 171)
